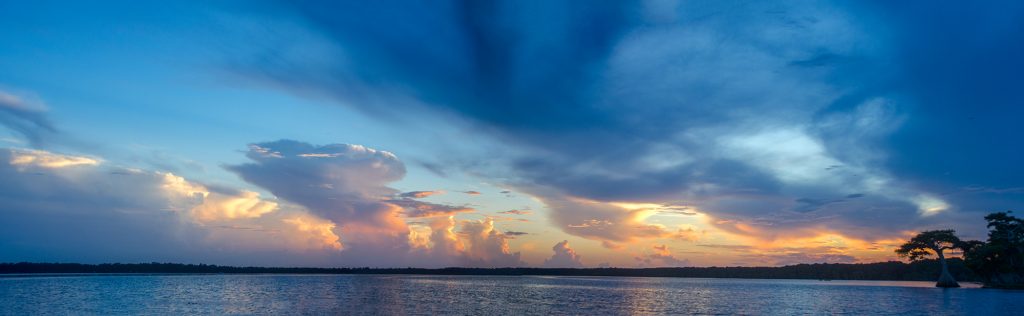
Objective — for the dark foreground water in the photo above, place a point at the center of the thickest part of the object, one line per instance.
(486, 295)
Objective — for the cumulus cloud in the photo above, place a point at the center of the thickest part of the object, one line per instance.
(246, 204)
(348, 186)
(661, 257)
(340, 182)
(321, 231)
(66, 204)
(487, 246)
(564, 257)
(445, 243)
(473, 243)
(76, 208)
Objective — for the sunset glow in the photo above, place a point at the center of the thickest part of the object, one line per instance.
(623, 134)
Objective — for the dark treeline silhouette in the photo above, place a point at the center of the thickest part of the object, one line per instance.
(997, 262)
(894, 271)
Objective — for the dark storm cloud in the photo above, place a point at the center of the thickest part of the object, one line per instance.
(753, 112)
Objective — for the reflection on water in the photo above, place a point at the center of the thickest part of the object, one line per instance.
(492, 295)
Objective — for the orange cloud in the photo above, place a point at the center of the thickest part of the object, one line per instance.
(687, 234)
(661, 257)
(206, 206)
(819, 246)
(246, 204)
(564, 257)
(420, 194)
(318, 232)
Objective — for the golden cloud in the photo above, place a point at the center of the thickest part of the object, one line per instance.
(38, 158)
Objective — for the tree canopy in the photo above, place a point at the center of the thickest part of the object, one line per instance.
(1000, 260)
(929, 243)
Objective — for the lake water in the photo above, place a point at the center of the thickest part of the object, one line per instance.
(486, 295)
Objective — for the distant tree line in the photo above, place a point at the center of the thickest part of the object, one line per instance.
(997, 262)
(922, 270)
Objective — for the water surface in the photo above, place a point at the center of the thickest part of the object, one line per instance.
(491, 295)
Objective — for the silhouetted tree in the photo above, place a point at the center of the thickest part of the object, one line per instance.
(934, 242)
(1000, 261)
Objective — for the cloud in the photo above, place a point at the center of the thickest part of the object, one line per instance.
(729, 247)
(205, 206)
(464, 243)
(348, 186)
(343, 183)
(77, 208)
(471, 192)
(445, 243)
(26, 117)
(246, 204)
(322, 231)
(516, 212)
(74, 208)
(23, 158)
(661, 257)
(602, 221)
(564, 257)
(676, 210)
(419, 194)
(486, 246)
(687, 234)
(749, 112)
(414, 208)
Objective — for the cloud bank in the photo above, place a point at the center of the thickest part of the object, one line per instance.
(777, 119)
(331, 206)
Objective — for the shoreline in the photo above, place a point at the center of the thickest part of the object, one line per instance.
(882, 271)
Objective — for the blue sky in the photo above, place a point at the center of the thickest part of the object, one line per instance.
(645, 133)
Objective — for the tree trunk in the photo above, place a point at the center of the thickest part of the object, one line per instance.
(945, 279)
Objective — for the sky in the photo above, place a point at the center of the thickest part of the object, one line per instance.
(508, 133)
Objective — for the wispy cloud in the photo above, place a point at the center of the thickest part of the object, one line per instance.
(25, 116)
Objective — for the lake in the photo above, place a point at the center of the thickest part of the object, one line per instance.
(488, 295)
